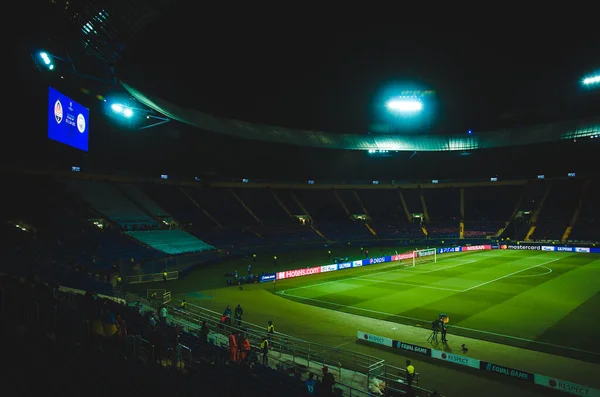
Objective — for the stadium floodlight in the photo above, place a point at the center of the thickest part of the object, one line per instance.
(47, 60)
(125, 111)
(404, 105)
(591, 80)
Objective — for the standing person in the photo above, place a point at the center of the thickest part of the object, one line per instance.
(246, 349)
(165, 276)
(410, 373)
(204, 331)
(163, 314)
(270, 330)
(233, 348)
(327, 382)
(264, 347)
(311, 385)
(226, 319)
(444, 331)
(239, 312)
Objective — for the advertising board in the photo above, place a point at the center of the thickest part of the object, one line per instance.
(510, 372)
(413, 348)
(379, 340)
(456, 359)
(568, 387)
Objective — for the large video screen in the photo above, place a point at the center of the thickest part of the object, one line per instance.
(68, 121)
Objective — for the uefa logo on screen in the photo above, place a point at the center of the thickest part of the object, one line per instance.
(81, 123)
(58, 111)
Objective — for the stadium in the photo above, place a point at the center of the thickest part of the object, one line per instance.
(164, 244)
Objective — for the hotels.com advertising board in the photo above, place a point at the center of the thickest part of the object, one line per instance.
(409, 255)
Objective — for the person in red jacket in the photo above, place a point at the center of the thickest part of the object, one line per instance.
(233, 348)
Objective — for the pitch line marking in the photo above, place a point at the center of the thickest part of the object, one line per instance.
(509, 274)
(410, 285)
(537, 275)
(384, 271)
(454, 326)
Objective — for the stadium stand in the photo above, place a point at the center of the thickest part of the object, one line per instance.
(175, 201)
(138, 196)
(487, 211)
(329, 216)
(61, 238)
(587, 224)
(171, 241)
(275, 224)
(557, 210)
(388, 218)
(109, 201)
(443, 210)
(532, 197)
(92, 338)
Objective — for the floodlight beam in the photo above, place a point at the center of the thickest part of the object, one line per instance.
(591, 80)
(404, 105)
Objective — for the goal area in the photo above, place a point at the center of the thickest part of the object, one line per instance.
(424, 256)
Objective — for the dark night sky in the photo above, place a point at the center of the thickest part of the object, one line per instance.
(329, 77)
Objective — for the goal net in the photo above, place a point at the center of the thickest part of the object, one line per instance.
(424, 256)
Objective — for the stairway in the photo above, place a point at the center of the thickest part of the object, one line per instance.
(303, 209)
(536, 213)
(575, 216)
(364, 210)
(209, 216)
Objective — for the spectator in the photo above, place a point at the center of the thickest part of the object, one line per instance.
(311, 385)
(239, 312)
(233, 348)
(163, 315)
(204, 331)
(246, 349)
(327, 382)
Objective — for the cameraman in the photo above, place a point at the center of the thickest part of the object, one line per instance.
(444, 326)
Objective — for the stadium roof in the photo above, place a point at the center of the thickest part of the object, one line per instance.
(335, 76)
(457, 142)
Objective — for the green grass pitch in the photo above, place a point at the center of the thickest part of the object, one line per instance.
(540, 300)
(546, 301)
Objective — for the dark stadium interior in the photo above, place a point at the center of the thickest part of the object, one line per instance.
(228, 197)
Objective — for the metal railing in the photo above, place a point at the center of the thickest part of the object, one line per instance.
(159, 295)
(300, 351)
(296, 352)
(151, 277)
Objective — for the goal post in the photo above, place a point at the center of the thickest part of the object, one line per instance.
(424, 256)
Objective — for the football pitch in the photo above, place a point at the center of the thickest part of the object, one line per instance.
(545, 301)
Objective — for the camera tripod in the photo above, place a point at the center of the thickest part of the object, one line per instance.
(433, 338)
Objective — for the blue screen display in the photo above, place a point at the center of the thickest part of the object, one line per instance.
(68, 121)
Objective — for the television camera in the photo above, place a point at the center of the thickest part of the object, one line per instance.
(437, 326)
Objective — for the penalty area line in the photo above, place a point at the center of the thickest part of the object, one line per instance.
(509, 275)
(405, 270)
(371, 280)
(340, 306)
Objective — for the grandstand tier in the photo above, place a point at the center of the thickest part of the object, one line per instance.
(171, 242)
